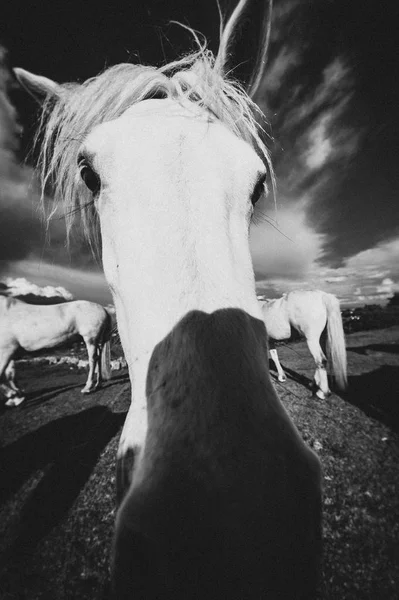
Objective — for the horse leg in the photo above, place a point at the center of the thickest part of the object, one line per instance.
(280, 373)
(7, 373)
(99, 378)
(10, 377)
(320, 376)
(92, 355)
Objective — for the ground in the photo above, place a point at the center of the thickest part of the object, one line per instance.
(57, 483)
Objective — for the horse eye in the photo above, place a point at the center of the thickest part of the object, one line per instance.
(90, 178)
(258, 190)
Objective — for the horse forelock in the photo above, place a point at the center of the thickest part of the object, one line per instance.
(69, 118)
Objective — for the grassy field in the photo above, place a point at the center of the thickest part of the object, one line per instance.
(57, 498)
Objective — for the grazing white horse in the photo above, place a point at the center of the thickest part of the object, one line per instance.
(221, 496)
(309, 312)
(34, 327)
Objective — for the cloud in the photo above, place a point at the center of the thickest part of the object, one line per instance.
(331, 96)
(381, 258)
(309, 95)
(82, 284)
(336, 278)
(361, 280)
(315, 144)
(286, 59)
(22, 230)
(288, 249)
(315, 136)
(282, 17)
(20, 286)
(387, 286)
(320, 146)
(372, 274)
(10, 128)
(314, 95)
(19, 226)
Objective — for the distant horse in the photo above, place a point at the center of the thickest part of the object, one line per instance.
(309, 312)
(34, 327)
(221, 496)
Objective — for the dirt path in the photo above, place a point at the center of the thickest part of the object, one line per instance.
(57, 475)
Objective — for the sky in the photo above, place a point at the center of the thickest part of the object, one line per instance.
(330, 94)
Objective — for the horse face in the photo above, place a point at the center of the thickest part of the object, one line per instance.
(173, 191)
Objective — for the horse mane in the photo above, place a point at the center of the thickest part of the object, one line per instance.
(198, 78)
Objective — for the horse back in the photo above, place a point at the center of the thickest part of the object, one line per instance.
(10, 311)
(91, 319)
(306, 311)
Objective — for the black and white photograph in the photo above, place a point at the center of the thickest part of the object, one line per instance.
(199, 300)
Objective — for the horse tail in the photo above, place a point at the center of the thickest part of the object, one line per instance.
(106, 361)
(106, 349)
(336, 340)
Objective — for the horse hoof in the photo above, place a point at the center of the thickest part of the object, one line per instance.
(87, 391)
(320, 395)
(281, 378)
(15, 401)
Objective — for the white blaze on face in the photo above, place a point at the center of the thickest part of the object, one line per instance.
(174, 210)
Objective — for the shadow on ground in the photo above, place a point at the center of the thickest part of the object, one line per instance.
(40, 396)
(293, 375)
(389, 348)
(66, 450)
(376, 394)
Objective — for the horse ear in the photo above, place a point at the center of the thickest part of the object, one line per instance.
(244, 42)
(262, 35)
(38, 86)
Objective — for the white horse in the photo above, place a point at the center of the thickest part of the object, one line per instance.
(222, 498)
(309, 312)
(34, 327)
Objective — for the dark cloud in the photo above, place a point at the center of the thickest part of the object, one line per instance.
(19, 232)
(22, 230)
(335, 61)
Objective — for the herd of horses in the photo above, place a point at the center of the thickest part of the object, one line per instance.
(30, 328)
(219, 495)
